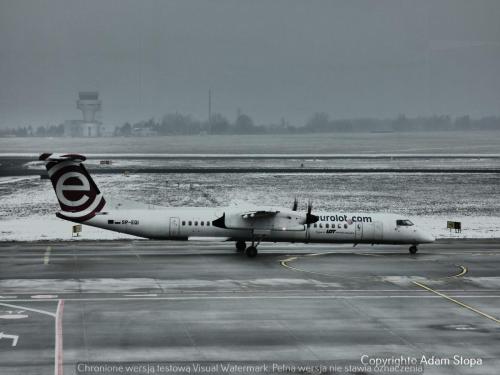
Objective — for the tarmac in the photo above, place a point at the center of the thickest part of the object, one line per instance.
(363, 309)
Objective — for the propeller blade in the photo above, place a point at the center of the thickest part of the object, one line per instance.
(310, 218)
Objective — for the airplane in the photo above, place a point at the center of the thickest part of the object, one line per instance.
(82, 202)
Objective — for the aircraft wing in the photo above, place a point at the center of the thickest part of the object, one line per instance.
(258, 220)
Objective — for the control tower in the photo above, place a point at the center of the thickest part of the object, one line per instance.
(89, 103)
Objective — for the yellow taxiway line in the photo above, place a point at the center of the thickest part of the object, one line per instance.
(46, 256)
(457, 302)
(463, 271)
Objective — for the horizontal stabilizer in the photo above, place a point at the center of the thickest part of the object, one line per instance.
(61, 157)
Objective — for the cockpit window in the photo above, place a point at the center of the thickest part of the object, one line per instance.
(405, 223)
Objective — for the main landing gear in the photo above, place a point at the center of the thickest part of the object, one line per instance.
(413, 249)
(250, 251)
(240, 246)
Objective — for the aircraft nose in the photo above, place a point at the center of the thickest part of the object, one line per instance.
(424, 237)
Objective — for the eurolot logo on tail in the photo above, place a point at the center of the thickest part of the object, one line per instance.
(77, 193)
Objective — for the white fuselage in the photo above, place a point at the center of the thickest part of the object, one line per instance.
(185, 223)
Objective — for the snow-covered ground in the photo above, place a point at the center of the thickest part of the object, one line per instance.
(306, 162)
(28, 204)
(39, 228)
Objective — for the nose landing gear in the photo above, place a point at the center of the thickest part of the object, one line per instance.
(413, 249)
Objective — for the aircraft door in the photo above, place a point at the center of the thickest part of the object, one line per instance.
(174, 227)
(379, 230)
(358, 232)
(368, 232)
(372, 232)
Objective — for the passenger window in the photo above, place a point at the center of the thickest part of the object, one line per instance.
(320, 225)
(315, 225)
(183, 223)
(202, 223)
(208, 223)
(195, 223)
(345, 226)
(327, 225)
(340, 226)
(404, 223)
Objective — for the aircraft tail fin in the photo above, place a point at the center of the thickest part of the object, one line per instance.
(76, 191)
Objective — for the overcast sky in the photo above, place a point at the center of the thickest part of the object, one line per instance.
(270, 58)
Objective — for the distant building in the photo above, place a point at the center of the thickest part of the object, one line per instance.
(80, 128)
(88, 102)
(72, 128)
(142, 130)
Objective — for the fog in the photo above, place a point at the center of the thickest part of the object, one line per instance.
(271, 59)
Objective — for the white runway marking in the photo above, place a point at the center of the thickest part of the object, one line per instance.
(58, 351)
(44, 296)
(14, 338)
(58, 356)
(13, 316)
(27, 308)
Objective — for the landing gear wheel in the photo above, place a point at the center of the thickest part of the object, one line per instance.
(251, 251)
(413, 249)
(241, 246)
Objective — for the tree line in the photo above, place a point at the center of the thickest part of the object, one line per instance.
(185, 124)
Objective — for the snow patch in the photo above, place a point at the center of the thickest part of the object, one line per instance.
(41, 228)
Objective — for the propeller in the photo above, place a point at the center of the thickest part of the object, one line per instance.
(295, 204)
(310, 218)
